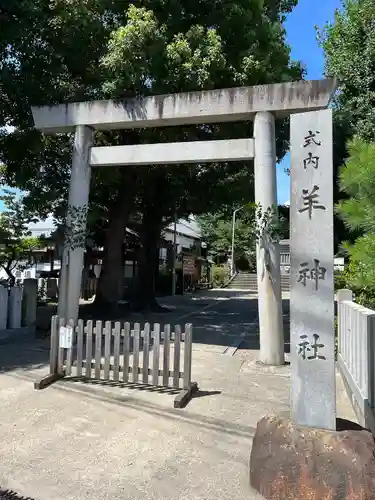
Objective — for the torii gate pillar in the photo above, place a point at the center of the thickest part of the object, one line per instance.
(268, 254)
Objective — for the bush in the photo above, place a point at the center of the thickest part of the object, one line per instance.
(340, 280)
(220, 275)
(351, 279)
(365, 297)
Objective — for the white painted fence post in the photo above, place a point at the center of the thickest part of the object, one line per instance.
(341, 296)
(344, 294)
(3, 308)
(15, 307)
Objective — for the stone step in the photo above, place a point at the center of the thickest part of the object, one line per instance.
(248, 281)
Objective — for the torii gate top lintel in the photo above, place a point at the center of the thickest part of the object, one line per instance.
(211, 106)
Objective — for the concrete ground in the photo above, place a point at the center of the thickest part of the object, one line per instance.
(79, 440)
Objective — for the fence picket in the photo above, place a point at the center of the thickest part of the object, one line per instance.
(98, 348)
(88, 349)
(166, 348)
(69, 351)
(60, 359)
(156, 355)
(176, 356)
(137, 333)
(107, 349)
(356, 355)
(116, 353)
(79, 347)
(146, 352)
(188, 346)
(125, 375)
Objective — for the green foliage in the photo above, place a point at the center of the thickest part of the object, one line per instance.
(16, 243)
(220, 275)
(42, 291)
(353, 279)
(340, 280)
(63, 51)
(56, 51)
(358, 212)
(252, 225)
(349, 46)
(358, 181)
(269, 226)
(217, 232)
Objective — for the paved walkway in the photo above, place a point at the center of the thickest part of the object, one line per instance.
(97, 441)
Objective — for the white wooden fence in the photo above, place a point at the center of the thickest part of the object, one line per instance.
(356, 355)
(122, 353)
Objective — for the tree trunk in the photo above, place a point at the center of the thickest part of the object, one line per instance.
(11, 277)
(110, 286)
(144, 298)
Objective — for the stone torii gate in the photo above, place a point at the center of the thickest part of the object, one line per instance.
(260, 104)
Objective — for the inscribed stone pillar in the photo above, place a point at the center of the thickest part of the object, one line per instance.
(3, 307)
(268, 254)
(29, 300)
(312, 296)
(15, 307)
(75, 236)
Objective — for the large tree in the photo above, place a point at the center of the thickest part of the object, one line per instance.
(182, 47)
(349, 48)
(90, 49)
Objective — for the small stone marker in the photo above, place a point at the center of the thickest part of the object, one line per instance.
(29, 301)
(66, 337)
(3, 307)
(15, 307)
(311, 248)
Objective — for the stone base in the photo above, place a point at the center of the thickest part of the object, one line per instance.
(182, 398)
(289, 462)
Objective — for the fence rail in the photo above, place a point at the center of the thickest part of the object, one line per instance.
(356, 355)
(122, 353)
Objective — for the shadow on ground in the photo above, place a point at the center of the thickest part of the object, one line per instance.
(172, 414)
(138, 386)
(11, 495)
(235, 323)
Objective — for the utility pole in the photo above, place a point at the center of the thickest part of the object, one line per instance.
(232, 252)
(174, 254)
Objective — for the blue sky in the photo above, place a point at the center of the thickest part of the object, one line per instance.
(301, 36)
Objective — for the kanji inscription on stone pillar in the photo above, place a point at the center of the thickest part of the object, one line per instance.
(311, 255)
